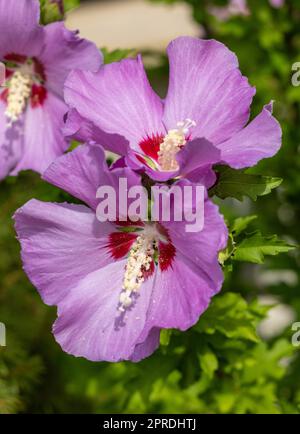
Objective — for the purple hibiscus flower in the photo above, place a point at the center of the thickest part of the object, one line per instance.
(37, 60)
(115, 284)
(237, 7)
(202, 121)
(233, 8)
(277, 3)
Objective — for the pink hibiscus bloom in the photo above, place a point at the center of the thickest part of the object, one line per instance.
(115, 284)
(202, 120)
(37, 60)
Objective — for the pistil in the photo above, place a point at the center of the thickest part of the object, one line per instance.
(138, 263)
(19, 91)
(171, 145)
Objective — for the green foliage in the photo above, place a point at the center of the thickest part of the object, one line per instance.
(71, 4)
(238, 184)
(52, 11)
(220, 366)
(19, 374)
(232, 317)
(250, 247)
(256, 246)
(117, 55)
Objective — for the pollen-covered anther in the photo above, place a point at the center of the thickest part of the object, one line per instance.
(172, 143)
(19, 91)
(138, 262)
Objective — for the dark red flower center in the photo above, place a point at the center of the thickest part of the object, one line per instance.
(151, 145)
(159, 151)
(121, 242)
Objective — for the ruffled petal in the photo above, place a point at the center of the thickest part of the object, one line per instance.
(65, 51)
(43, 139)
(118, 100)
(180, 296)
(78, 128)
(207, 87)
(203, 246)
(89, 323)
(20, 29)
(82, 171)
(260, 139)
(203, 176)
(183, 291)
(146, 348)
(198, 155)
(60, 245)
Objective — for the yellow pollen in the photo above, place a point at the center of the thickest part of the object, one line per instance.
(18, 94)
(139, 261)
(171, 145)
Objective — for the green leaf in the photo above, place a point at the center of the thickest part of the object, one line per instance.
(256, 246)
(240, 224)
(237, 184)
(117, 55)
(165, 336)
(71, 4)
(208, 362)
(235, 228)
(230, 316)
(225, 254)
(52, 11)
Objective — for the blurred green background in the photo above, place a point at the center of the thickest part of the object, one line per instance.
(233, 360)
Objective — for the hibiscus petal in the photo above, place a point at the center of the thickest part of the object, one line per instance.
(117, 99)
(198, 155)
(208, 242)
(64, 51)
(183, 291)
(82, 171)
(20, 30)
(207, 87)
(11, 143)
(43, 141)
(195, 161)
(61, 244)
(78, 128)
(179, 297)
(203, 176)
(260, 139)
(203, 246)
(146, 348)
(89, 323)
(79, 172)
